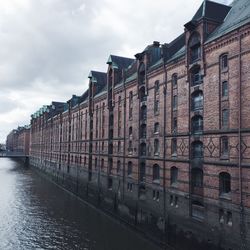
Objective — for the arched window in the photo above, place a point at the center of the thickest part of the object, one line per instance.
(197, 149)
(119, 147)
(130, 168)
(156, 147)
(174, 175)
(142, 172)
(141, 74)
(156, 127)
(156, 172)
(143, 131)
(174, 146)
(225, 183)
(197, 100)
(156, 106)
(195, 47)
(197, 124)
(143, 149)
(119, 100)
(197, 177)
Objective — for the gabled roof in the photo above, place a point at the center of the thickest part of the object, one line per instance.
(238, 15)
(99, 79)
(211, 10)
(120, 62)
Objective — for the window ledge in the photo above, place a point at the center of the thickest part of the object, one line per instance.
(224, 157)
(226, 196)
(156, 181)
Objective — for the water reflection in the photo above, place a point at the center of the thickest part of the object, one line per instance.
(36, 214)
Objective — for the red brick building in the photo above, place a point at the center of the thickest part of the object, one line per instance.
(164, 139)
(18, 141)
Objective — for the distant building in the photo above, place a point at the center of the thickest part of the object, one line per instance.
(18, 140)
(165, 135)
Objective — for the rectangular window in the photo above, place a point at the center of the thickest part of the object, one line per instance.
(175, 100)
(224, 62)
(174, 124)
(174, 146)
(156, 108)
(225, 118)
(224, 147)
(224, 89)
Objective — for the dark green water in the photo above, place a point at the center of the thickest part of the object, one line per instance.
(36, 214)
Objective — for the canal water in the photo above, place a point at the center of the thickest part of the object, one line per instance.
(37, 214)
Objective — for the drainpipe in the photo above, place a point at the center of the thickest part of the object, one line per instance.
(239, 140)
(124, 135)
(164, 162)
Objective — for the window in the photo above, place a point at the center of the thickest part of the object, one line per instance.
(130, 149)
(143, 133)
(156, 147)
(157, 87)
(102, 146)
(118, 167)
(197, 100)
(174, 124)
(144, 112)
(225, 118)
(196, 77)
(197, 149)
(95, 163)
(142, 172)
(110, 167)
(225, 183)
(229, 218)
(143, 149)
(156, 107)
(195, 47)
(174, 175)
(197, 124)
(175, 100)
(174, 146)
(119, 147)
(224, 62)
(224, 146)
(130, 104)
(130, 131)
(225, 89)
(174, 80)
(156, 173)
(102, 164)
(197, 177)
(141, 75)
(156, 127)
(130, 168)
(119, 100)
(142, 94)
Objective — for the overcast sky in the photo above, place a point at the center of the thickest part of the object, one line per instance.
(48, 47)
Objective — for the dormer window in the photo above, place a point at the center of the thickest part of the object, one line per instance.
(195, 47)
(141, 74)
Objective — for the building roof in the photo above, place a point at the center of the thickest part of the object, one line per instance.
(211, 10)
(99, 79)
(119, 61)
(238, 16)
